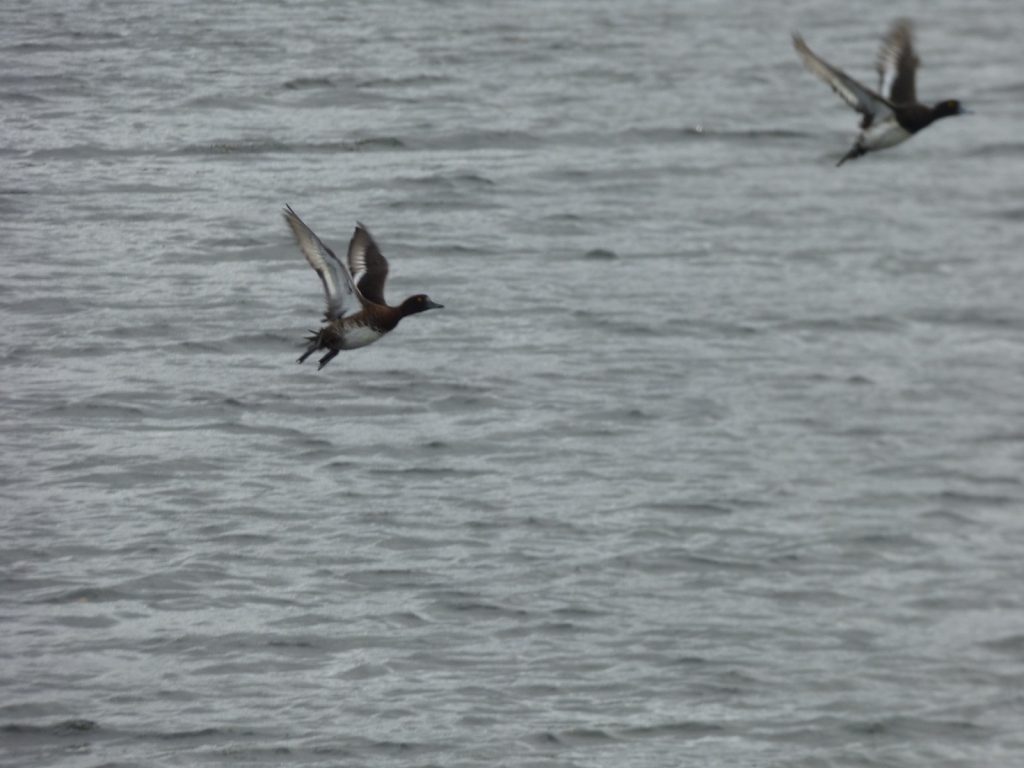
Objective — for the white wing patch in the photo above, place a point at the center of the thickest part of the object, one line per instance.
(367, 265)
(890, 71)
(357, 258)
(343, 298)
(861, 98)
(896, 60)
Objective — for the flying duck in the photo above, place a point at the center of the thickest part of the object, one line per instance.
(356, 313)
(892, 114)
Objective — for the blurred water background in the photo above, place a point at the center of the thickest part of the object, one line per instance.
(713, 458)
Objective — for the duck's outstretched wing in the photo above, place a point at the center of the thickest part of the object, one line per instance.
(340, 290)
(860, 97)
(368, 266)
(897, 64)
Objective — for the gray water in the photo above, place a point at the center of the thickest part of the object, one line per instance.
(714, 456)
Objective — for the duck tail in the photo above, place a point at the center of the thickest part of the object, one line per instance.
(855, 151)
(314, 342)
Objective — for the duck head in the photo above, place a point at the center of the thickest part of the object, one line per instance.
(948, 108)
(418, 303)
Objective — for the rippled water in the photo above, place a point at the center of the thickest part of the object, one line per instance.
(713, 458)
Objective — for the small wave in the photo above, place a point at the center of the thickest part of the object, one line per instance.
(21, 97)
(272, 146)
(1009, 214)
(972, 317)
(685, 728)
(471, 140)
(1011, 644)
(39, 48)
(404, 82)
(379, 142)
(904, 727)
(390, 578)
(450, 181)
(874, 323)
(975, 500)
(1002, 436)
(255, 147)
(136, 188)
(482, 608)
(72, 727)
(88, 152)
(688, 133)
(51, 84)
(84, 595)
(690, 327)
(98, 410)
(574, 736)
(1016, 88)
(998, 149)
(265, 340)
(690, 507)
(199, 734)
(431, 471)
(949, 517)
(303, 83)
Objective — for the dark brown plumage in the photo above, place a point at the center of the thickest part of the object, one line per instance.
(356, 313)
(892, 114)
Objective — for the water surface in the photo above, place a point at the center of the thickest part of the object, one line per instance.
(713, 457)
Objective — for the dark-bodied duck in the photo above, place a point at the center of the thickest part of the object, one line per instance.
(356, 313)
(892, 114)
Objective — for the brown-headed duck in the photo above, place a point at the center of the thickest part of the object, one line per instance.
(892, 114)
(356, 313)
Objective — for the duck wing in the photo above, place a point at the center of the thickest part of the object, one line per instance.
(367, 264)
(340, 290)
(858, 96)
(897, 64)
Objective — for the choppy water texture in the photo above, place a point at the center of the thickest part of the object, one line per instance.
(714, 457)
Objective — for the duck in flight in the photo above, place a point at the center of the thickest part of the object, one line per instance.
(892, 114)
(356, 313)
